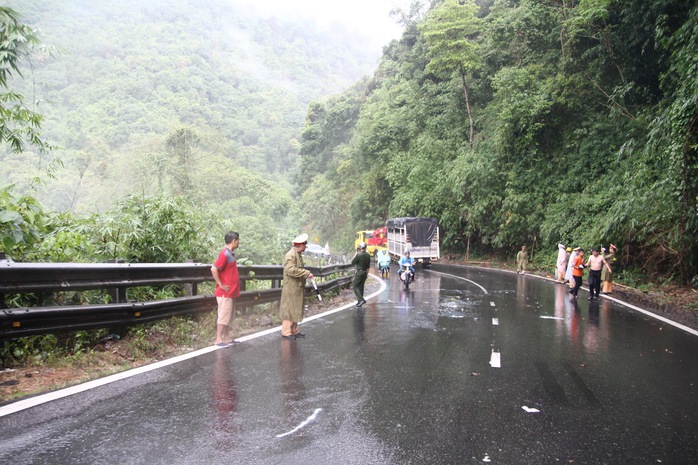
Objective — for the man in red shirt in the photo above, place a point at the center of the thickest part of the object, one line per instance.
(225, 273)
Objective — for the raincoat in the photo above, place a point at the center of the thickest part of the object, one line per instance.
(293, 287)
(570, 263)
(521, 261)
(561, 262)
(606, 275)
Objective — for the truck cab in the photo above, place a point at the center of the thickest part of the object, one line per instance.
(375, 240)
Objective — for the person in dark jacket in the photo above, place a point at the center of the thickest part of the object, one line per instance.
(362, 261)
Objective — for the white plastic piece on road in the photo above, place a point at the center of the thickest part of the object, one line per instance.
(492, 304)
(487, 459)
(551, 317)
(496, 360)
(495, 321)
(307, 420)
(530, 409)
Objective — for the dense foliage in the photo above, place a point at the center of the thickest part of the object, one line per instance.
(512, 121)
(584, 130)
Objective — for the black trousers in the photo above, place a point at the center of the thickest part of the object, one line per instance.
(577, 285)
(594, 282)
(358, 284)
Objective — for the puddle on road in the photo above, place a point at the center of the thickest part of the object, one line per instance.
(458, 306)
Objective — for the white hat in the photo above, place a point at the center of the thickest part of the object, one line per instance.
(302, 239)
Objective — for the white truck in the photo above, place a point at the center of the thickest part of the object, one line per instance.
(419, 236)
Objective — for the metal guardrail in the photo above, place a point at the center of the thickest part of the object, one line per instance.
(23, 278)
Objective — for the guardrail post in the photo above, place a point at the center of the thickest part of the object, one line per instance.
(117, 294)
(189, 287)
(3, 258)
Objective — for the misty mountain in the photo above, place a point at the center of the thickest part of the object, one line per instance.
(130, 73)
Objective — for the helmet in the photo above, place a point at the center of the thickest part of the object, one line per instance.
(362, 245)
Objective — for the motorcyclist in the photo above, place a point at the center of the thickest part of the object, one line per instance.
(383, 260)
(406, 260)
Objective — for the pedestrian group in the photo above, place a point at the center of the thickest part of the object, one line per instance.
(570, 267)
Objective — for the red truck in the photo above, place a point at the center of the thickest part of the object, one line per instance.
(375, 240)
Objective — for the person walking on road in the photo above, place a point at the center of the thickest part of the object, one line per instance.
(577, 273)
(521, 260)
(595, 263)
(225, 273)
(362, 261)
(293, 289)
(569, 278)
(384, 263)
(562, 256)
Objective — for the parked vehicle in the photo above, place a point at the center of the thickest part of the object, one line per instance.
(419, 236)
(375, 240)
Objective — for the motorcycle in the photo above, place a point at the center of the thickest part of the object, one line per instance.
(406, 275)
(385, 270)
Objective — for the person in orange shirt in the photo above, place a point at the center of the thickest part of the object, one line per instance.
(577, 273)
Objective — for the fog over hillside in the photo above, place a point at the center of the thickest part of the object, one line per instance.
(130, 73)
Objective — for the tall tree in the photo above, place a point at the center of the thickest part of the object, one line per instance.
(450, 31)
(181, 146)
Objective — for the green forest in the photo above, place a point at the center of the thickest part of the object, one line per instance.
(514, 122)
(523, 122)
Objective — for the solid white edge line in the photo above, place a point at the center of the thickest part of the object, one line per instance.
(654, 315)
(69, 391)
(460, 277)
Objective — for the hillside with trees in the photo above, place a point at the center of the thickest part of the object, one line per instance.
(511, 121)
(523, 122)
(128, 80)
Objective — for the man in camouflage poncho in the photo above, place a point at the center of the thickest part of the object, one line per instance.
(293, 289)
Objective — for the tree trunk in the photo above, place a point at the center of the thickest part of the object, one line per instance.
(467, 105)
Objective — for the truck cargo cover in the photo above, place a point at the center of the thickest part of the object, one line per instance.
(420, 230)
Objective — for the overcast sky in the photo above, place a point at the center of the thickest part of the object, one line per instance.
(368, 17)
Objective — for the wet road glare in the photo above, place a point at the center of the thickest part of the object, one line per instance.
(483, 367)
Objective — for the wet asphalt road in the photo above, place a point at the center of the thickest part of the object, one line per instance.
(445, 373)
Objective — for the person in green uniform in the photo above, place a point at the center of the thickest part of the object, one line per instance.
(362, 261)
(606, 274)
(293, 289)
(521, 260)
